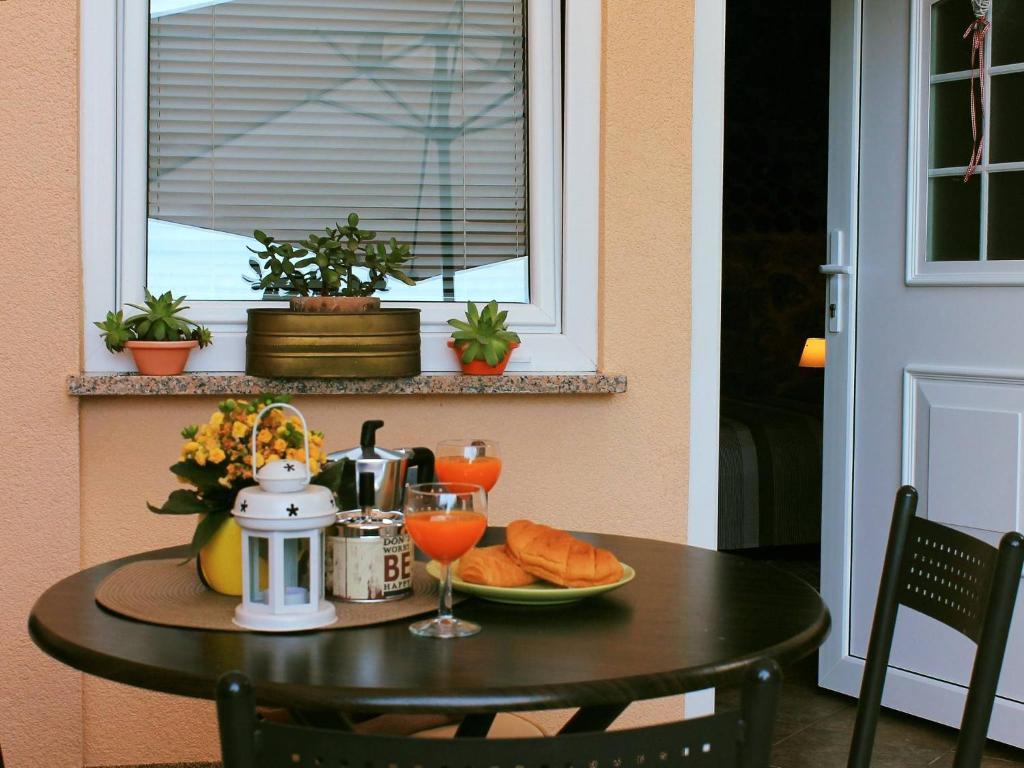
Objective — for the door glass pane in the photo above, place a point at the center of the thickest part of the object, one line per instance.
(950, 52)
(1007, 32)
(259, 558)
(950, 125)
(1007, 119)
(954, 215)
(1005, 223)
(296, 571)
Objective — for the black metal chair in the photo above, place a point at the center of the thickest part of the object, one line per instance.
(953, 578)
(737, 739)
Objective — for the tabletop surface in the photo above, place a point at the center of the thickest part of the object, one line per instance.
(691, 619)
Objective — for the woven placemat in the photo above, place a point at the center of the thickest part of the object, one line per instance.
(168, 592)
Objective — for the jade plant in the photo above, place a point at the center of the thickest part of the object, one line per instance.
(483, 335)
(327, 264)
(158, 320)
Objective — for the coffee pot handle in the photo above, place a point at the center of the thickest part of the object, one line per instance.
(423, 460)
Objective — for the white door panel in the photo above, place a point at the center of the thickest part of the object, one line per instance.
(938, 372)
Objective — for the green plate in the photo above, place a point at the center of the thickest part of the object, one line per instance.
(540, 593)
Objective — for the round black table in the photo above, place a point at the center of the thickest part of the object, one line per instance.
(691, 619)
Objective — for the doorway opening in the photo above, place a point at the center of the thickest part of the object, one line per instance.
(773, 240)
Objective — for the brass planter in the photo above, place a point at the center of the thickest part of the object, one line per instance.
(286, 344)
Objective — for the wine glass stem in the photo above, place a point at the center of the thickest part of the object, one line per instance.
(444, 609)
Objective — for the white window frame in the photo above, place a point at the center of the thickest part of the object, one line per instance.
(919, 270)
(558, 327)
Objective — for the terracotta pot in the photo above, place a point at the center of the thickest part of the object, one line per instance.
(161, 358)
(345, 305)
(480, 367)
(220, 560)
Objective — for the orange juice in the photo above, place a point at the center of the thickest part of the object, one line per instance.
(445, 536)
(483, 470)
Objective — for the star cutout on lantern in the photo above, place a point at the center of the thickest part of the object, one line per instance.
(245, 506)
(289, 467)
(293, 511)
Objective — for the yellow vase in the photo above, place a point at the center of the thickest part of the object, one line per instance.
(220, 560)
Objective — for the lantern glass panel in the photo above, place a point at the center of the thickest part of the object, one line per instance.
(323, 564)
(259, 562)
(296, 570)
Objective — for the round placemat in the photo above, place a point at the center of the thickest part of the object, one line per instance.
(169, 592)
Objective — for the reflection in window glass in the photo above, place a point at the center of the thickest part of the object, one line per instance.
(285, 117)
(1006, 118)
(1007, 32)
(954, 215)
(949, 20)
(950, 125)
(1005, 219)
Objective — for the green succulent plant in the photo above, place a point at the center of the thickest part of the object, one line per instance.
(483, 335)
(115, 331)
(158, 320)
(325, 265)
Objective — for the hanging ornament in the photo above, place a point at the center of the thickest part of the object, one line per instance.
(976, 32)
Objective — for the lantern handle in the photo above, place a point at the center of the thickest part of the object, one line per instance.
(305, 434)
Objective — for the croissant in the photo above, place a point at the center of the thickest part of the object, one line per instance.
(556, 556)
(492, 566)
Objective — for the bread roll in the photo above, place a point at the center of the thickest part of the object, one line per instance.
(558, 557)
(492, 566)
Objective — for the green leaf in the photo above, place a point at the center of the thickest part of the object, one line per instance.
(340, 478)
(181, 502)
(205, 530)
(203, 478)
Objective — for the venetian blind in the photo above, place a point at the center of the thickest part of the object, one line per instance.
(285, 116)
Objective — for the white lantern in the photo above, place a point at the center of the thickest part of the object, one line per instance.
(283, 519)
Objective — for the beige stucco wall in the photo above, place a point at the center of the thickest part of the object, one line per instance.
(40, 700)
(613, 463)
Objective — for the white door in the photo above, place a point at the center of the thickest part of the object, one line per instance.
(925, 381)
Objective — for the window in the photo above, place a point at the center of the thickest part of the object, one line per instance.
(448, 124)
(966, 232)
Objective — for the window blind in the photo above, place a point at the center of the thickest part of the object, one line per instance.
(285, 116)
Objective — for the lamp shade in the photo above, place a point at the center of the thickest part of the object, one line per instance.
(814, 354)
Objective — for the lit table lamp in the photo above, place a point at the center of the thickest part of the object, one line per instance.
(814, 354)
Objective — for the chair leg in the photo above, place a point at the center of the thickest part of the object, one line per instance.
(236, 718)
(882, 628)
(988, 659)
(760, 700)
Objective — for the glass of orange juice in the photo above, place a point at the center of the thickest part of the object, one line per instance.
(445, 520)
(468, 460)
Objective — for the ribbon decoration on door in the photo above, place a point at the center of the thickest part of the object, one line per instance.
(976, 32)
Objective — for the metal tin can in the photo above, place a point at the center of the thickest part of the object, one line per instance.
(369, 558)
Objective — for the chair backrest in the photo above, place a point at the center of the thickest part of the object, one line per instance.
(736, 739)
(958, 580)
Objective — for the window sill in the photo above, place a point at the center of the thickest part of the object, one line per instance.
(119, 384)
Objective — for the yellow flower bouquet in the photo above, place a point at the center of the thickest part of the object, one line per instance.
(216, 460)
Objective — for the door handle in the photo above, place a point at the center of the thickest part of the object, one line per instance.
(835, 270)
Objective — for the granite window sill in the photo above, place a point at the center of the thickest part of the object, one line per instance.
(122, 384)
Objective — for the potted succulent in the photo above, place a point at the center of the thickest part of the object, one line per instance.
(159, 337)
(216, 462)
(483, 341)
(322, 274)
(334, 325)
